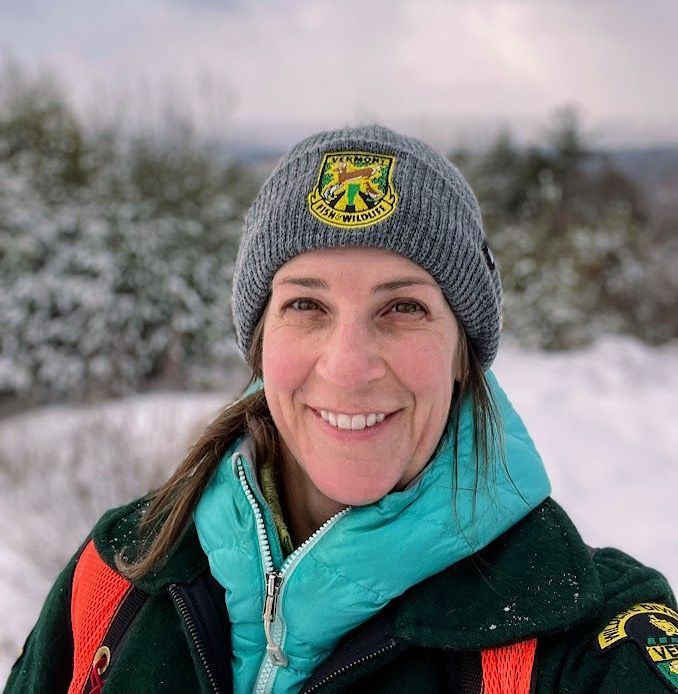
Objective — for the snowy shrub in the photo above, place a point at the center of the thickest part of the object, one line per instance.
(116, 254)
(578, 252)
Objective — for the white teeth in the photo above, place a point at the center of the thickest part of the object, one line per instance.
(358, 421)
(343, 421)
(355, 422)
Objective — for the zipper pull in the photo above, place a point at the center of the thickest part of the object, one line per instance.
(273, 583)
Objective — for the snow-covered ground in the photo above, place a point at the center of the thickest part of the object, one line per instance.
(603, 419)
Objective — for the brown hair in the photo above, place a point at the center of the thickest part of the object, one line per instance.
(171, 506)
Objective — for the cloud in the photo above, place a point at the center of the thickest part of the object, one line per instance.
(326, 63)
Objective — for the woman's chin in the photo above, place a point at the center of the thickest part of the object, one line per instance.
(348, 493)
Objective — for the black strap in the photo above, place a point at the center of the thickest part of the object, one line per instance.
(127, 610)
(210, 630)
(464, 672)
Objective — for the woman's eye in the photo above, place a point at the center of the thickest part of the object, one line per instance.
(408, 307)
(303, 305)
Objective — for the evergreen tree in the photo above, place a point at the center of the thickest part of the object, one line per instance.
(116, 256)
(575, 245)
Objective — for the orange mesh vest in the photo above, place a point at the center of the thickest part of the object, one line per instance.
(97, 594)
(100, 594)
(508, 670)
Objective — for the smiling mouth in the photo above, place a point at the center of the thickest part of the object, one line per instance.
(354, 422)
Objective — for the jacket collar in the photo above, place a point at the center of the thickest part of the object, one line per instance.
(516, 588)
(117, 532)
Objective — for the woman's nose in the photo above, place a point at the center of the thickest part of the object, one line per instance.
(351, 356)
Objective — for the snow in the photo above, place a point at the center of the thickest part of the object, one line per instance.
(603, 419)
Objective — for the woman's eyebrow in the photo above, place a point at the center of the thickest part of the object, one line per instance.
(402, 282)
(391, 285)
(308, 282)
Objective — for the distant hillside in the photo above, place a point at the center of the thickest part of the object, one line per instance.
(655, 171)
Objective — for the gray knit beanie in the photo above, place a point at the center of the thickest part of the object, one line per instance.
(370, 186)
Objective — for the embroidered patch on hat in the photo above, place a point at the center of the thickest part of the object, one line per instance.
(354, 189)
(654, 629)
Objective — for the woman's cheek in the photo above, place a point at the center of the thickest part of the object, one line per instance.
(284, 364)
(422, 365)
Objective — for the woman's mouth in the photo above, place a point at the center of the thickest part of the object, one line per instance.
(362, 421)
(352, 421)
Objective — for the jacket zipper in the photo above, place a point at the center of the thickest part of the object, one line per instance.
(345, 668)
(275, 583)
(195, 636)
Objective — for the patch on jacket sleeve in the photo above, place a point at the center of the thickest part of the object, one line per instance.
(654, 629)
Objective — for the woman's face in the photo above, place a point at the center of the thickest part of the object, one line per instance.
(360, 349)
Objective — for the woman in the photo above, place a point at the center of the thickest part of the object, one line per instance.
(372, 514)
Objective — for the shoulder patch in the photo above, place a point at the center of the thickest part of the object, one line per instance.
(353, 189)
(654, 629)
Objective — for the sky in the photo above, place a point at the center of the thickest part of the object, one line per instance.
(451, 70)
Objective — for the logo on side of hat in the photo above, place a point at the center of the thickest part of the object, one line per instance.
(354, 189)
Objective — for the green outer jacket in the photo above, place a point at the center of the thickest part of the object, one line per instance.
(538, 579)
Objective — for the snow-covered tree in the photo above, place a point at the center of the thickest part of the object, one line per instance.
(116, 253)
(578, 252)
